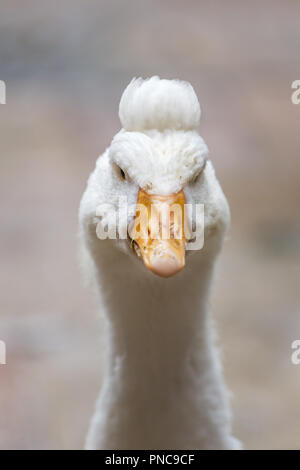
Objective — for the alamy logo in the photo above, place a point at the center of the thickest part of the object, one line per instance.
(158, 221)
(296, 94)
(2, 92)
(295, 357)
(2, 353)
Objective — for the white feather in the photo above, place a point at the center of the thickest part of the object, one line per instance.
(159, 104)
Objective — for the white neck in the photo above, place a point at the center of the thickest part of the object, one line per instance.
(163, 386)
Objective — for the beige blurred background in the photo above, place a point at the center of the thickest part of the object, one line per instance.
(65, 64)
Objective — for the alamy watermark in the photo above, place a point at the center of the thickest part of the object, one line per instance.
(295, 97)
(2, 353)
(2, 92)
(295, 357)
(169, 222)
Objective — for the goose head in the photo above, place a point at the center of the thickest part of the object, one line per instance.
(154, 190)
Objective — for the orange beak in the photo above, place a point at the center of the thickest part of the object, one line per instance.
(157, 232)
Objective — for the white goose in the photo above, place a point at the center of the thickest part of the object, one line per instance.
(163, 386)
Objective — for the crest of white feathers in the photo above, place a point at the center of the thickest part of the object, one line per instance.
(159, 104)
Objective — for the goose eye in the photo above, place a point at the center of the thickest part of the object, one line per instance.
(122, 174)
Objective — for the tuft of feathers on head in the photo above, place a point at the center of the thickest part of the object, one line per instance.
(159, 104)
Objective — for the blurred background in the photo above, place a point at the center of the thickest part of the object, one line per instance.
(66, 65)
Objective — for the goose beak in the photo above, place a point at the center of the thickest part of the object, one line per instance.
(157, 232)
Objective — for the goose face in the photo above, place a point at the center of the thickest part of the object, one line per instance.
(156, 180)
(129, 175)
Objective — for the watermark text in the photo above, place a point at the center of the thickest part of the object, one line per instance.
(295, 357)
(2, 353)
(295, 97)
(2, 92)
(166, 223)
